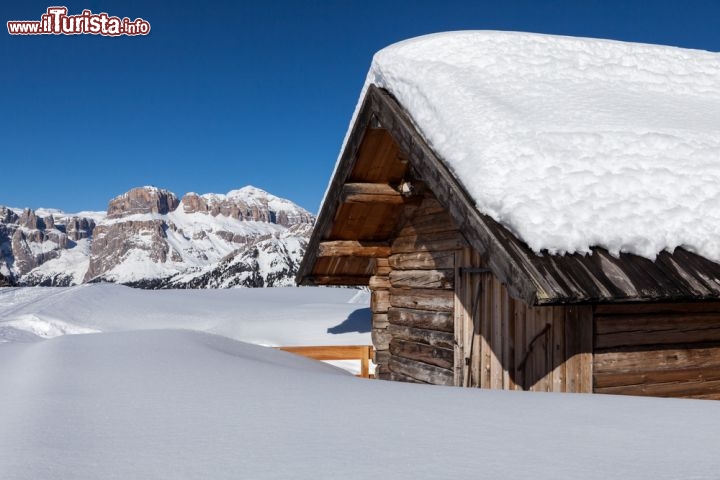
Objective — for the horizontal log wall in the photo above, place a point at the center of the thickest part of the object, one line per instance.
(424, 329)
(421, 296)
(379, 305)
(666, 350)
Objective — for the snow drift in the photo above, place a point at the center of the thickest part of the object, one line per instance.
(166, 391)
(188, 405)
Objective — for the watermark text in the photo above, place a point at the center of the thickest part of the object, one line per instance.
(56, 21)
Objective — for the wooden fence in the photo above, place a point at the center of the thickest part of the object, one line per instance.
(364, 353)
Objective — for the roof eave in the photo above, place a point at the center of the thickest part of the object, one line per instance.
(329, 206)
(379, 106)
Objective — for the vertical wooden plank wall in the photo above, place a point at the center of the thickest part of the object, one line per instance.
(467, 318)
(425, 330)
(517, 347)
(553, 349)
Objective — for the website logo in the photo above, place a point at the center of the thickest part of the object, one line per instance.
(56, 21)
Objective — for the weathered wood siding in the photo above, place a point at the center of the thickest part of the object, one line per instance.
(664, 350)
(437, 319)
(379, 305)
(430, 326)
(419, 332)
(504, 344)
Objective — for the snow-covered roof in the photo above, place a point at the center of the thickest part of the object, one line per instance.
(570, 142)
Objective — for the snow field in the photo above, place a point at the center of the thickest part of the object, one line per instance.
(158, 404)
(270, 316)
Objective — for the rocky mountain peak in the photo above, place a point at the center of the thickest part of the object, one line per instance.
(142, 200)
(28, 219)
(247, 237)
(248, 203)
(7, 215)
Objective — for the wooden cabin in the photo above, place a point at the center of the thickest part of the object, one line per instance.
(457, 299)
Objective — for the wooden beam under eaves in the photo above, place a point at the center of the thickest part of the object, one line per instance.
(371, 193)
(352, 248)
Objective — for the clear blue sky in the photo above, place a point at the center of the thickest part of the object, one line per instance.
(225, 94)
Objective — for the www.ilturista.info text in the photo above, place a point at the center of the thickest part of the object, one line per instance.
(56, 21)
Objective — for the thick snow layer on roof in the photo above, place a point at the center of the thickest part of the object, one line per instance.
(571, 142)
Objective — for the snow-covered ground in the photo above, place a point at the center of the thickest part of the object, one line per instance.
(165, 391)
(270, 316)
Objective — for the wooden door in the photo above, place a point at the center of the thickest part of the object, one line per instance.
(468, 317)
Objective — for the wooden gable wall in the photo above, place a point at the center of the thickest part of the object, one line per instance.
(365, 208)
(440, 318)
(413, 298)
(424, 329)
(538, 323)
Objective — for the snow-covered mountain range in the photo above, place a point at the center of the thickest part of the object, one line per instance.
(149, 238)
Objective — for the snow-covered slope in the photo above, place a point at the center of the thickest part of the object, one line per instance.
(270, 316)
(271, 261)
(45, 247)
(571, 142)
(68, 268)
(167, 403)
(149, 237)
